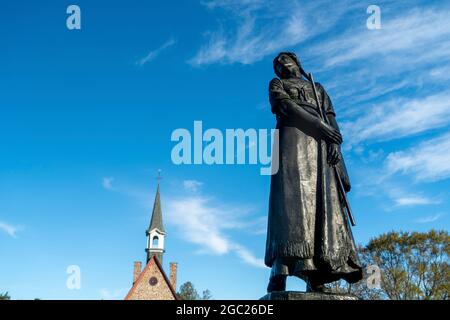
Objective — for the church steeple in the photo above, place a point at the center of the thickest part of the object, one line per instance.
(156, 232)
(156, 221)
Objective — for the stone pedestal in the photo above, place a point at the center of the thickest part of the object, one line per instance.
(297, 295)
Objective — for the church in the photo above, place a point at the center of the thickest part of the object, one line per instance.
(152, 283)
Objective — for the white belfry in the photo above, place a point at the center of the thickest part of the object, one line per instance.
(156, 232)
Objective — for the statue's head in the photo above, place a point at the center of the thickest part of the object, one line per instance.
(287, 65)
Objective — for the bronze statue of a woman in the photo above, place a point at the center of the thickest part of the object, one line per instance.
(308, 235)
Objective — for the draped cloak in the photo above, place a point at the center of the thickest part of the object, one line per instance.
(308, 230)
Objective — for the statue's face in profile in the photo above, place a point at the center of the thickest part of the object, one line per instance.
(287, 67)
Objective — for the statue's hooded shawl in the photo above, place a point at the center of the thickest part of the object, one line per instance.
(307, 223)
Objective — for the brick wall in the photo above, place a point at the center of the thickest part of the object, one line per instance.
(173, 275)
(137, 270)
(149, 290)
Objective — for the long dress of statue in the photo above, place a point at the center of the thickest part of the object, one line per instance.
(308, 233)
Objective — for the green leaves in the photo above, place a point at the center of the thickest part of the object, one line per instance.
(5, 296)
(414, 266)
(188, 292)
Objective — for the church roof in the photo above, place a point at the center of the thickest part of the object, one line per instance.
(156, 221)
(140, 282)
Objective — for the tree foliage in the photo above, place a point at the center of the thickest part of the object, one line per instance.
(413, 266)
(207, 295)
(188, 292)
(5, 296)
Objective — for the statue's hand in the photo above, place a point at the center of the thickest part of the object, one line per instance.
(330, 134)
(333, 154)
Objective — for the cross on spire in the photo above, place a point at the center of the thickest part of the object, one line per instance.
(158, 178)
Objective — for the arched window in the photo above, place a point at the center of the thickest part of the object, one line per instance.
(155, 241)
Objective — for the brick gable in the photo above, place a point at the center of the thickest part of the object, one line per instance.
(152, 284)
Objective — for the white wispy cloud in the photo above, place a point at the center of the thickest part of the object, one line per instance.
(404, 196)
(440, 73)
(248, 257)
(399, 117)
(413, 201)
(259, 28)
(116, 294)
(429, 161)
(9, 229)
(204, 223)
(428, 219)
(155, 53)
(107, 183)
(192, 185)
(414, 33)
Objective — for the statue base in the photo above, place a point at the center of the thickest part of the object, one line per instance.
(297, 295)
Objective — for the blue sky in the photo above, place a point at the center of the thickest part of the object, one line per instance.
(87, 115)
